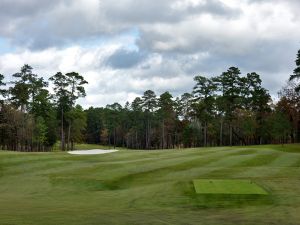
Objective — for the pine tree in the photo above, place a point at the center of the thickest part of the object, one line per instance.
(296, 74)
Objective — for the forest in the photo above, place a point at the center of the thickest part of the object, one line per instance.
(225, 110)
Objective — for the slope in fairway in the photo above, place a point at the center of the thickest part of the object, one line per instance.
(150, 187)
(233, 187)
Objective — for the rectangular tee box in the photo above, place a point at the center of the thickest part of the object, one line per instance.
(229, 186)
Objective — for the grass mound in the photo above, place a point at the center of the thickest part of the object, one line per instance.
(152, 187)
(229, 186)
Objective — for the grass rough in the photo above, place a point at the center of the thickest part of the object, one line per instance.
(149, 187)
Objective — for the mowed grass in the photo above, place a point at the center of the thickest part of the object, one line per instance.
(231, 186)
(148, 187)
(85, 146)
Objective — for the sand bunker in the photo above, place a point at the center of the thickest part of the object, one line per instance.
(92, 152)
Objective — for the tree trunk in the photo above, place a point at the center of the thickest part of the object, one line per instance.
(298, 131)
(114, 138)
(62, 131)
(146, 138)
(230, 135)
(163, 134)
(22, 147)
(221, 134)
(69, 137)
(149, 135)
(109, 140)
(205, 134)
(136, 140)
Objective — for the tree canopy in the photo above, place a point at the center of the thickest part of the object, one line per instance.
(227, 109)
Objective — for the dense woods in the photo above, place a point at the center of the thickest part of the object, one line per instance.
(229, 109)
(31, 117)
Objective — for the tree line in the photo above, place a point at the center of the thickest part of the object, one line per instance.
(32, 118)
(224, 110)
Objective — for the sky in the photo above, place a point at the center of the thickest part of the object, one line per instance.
(125, 47)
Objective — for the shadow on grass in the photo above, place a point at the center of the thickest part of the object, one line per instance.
(81, 184)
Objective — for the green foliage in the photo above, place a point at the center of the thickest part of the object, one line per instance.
(229, 109)
(149, 101)
(94, 125)
(280, 126)
(77, 118)
(68, 88)
(296, 74)
(204, 97)
(183, 106)
(229, 86)
(40, 131)
(249, 125)
(26, 88)
(3, 92)
(104, 136)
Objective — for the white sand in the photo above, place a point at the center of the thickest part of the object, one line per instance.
(92, 152)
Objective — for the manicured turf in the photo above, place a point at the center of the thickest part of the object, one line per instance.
(85, 146)
(234, 187)
(149, 187)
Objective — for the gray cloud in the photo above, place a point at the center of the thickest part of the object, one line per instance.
(123, 59)
(18, 14)
(173, 41)
(167, 11)
(26, 8)
(41, 24)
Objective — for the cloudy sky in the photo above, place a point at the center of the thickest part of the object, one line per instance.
(124, 47)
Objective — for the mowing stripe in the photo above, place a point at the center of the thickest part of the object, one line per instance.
(217, 167)
(260, 160)
(297, 163)
(285, 160)
(230, 160)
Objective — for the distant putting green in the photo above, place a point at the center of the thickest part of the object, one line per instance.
(230, 186)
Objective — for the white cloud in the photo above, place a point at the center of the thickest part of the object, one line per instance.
(106, 85)
(169, 42)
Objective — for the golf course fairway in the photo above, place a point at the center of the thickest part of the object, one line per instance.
(150, 187)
